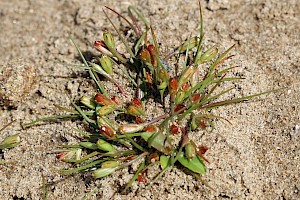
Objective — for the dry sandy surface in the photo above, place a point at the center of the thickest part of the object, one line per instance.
(255, 158)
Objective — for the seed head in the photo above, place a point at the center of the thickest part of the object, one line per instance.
(130, 128)
(107, 131)
(105, 146)
(106, 64)
(101, 46)
(100, 98)
(102, 172)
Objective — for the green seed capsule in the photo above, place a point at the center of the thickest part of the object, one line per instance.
(163, 85)
(102, 172)
(10, 142)
(106, 64)
(135, 111)
(194, 124)
(105, 110)
(131, 128)
(88, 102)
(99, 69)
(88, 145)
(164, 161)
(190, 150)
(209, 55)
(179, 97)
(186, 75)
(110, 164)
(105, 146)
(109, 40)
(189, 44)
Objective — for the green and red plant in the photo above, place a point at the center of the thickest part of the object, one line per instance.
(186, 95)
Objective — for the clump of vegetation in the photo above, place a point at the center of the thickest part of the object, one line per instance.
(187, 96)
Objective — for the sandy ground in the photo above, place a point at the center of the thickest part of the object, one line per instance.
(255, 158)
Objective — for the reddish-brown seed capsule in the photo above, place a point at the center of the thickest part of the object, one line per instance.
(179, 107)
(107, 131)
(150, 128)
(130, 157)
(196, 96)
(152, 51)
(136, 108)
(99, 43)
(183, 130)
(201, 151)
(185, 86)
(149, 78)
(173, 87)
(60, 155)
(139, 120)
(173, 84)
(101, 46)
(153, 157)
(145, 56)
(137, 102)
(174, 129)
(100, 98)
(141, 178)
(115, 99)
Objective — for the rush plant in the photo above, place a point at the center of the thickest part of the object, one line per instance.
(187, 95)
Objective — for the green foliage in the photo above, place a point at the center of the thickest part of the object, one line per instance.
(191, 95)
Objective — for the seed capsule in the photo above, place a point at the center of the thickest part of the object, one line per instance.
(109, 40)
(149, 78)
(141, 178)
(135, 111)
(137, 102)
(145, 56)
(100, 98)
(106, 64)
(196, 97)
(209, 55)
(88, 102)
(173, 87)
(151, 128)
(107, 131)
(186, 75)
(101, 46)
(130, 128)
(190, 150)
(189, 44)
(153, 53)
(88, 145)
(153, 157)
(136, 108)
(179, 107)
(105, 146)
(10, 142)
(72, 154)
(180, 97)
(102, 172)
(105, 110)
(174, 129)
(201, 151)
(110, 164)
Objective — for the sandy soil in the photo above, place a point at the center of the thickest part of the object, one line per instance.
(255, 158)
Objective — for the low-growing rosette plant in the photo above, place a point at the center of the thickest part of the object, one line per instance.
(187, 95)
